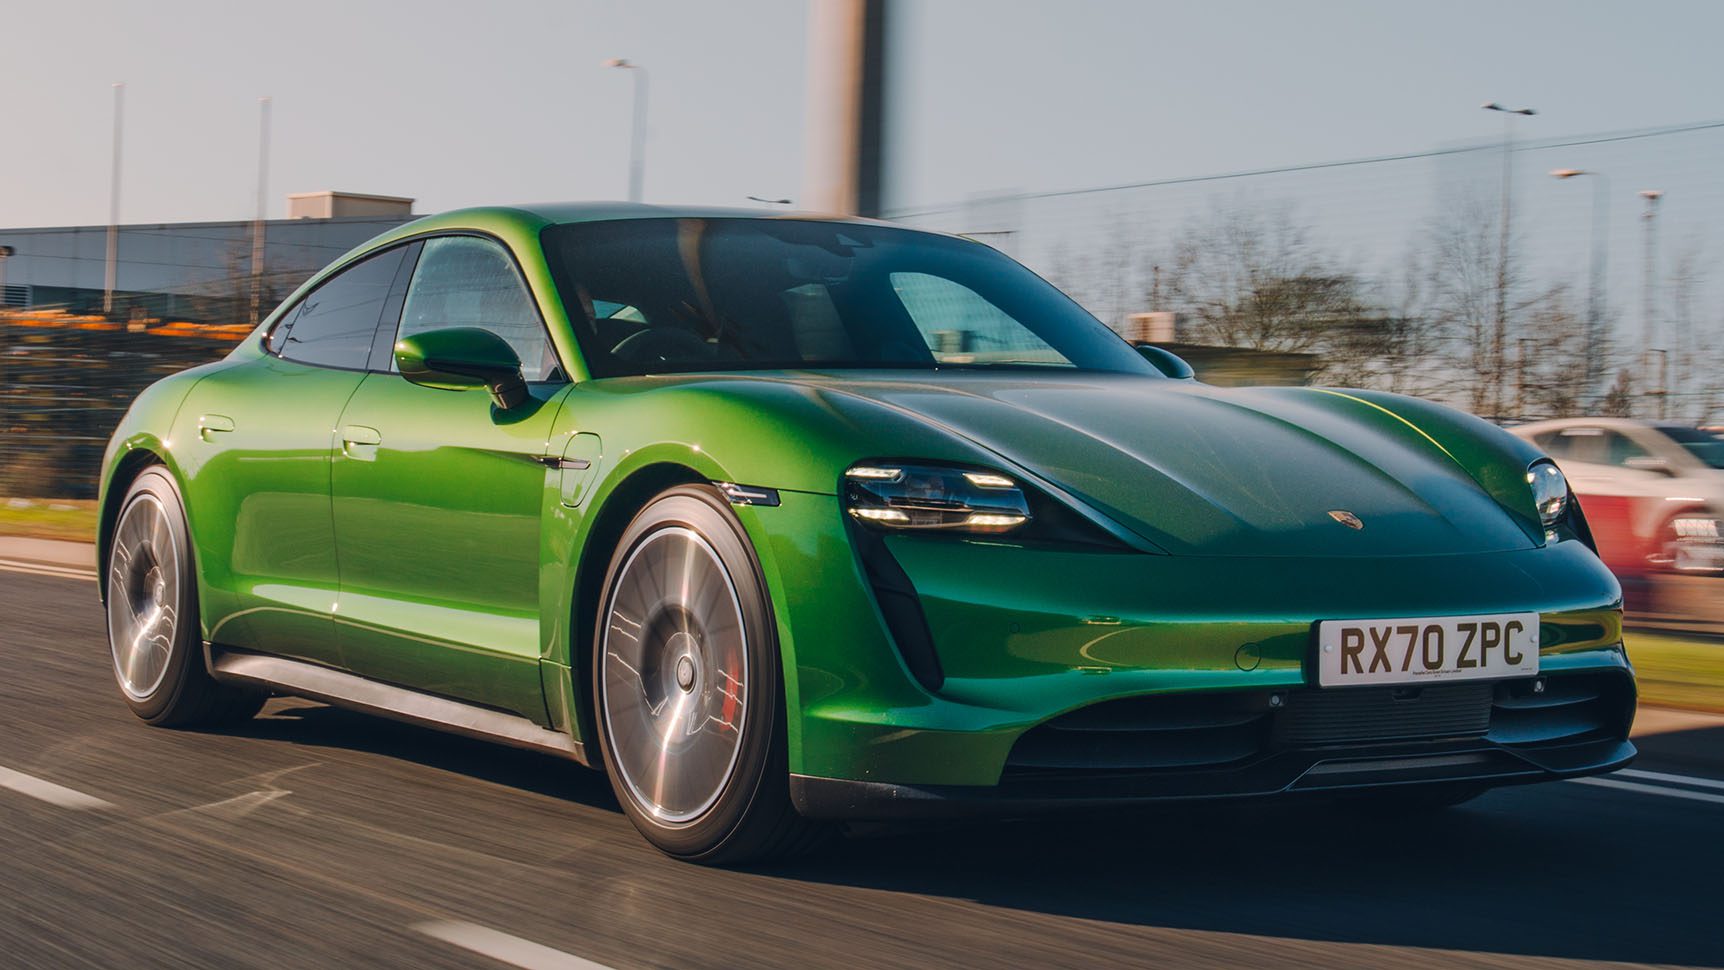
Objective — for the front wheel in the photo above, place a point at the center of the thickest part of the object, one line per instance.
(688, 689)
(153, 634)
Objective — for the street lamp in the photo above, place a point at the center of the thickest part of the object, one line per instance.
(1596, 275)
(1501, 335)
(1648, 287)
(637, 142)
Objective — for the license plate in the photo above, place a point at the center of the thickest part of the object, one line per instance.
(1426, 649)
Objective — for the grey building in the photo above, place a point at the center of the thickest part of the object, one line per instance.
(199, 272)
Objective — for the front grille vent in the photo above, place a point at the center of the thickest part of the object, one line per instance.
(1371, 714)
(1187, 732)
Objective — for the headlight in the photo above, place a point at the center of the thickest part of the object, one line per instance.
(895, 495)
(1549, 492)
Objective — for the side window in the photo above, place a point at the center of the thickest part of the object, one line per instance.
(1619, 449)
(335, 324)
(466, 281)
(1554, 444)
(1581, 444)
(961, 327)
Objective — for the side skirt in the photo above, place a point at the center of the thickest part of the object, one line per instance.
(283, 676)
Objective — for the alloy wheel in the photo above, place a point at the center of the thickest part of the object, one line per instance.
(143, 596)
(675, 675)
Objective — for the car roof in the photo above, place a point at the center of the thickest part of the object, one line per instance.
(603, 211)
(530, 218)
(1620, 424)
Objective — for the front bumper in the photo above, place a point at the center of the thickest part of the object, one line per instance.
(1026, 636)
(1237, 746)
(1286, 773)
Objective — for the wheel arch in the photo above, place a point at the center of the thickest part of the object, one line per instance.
(119, 482)
(610, 517)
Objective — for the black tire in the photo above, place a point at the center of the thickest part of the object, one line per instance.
(153, 629)
(671, 679)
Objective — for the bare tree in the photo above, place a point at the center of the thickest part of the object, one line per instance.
(1252, 278)
(1461, 278)
(1693, 381)
(1396, 347)
(1551, 357)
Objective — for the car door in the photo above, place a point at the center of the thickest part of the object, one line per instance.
(255, 455)
(438, 496)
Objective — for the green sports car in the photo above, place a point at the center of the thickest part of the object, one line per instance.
(783, 520)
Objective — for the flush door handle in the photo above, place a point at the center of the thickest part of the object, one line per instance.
(209, 425)
(360, 442)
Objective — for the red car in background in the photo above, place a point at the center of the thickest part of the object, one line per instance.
(1653, 492)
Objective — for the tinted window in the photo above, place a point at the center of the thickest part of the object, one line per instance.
(1578, 444)
(466, 281)
(1707, 446)
(659, 295)
(960, 327)
(334, 325)
(1555, 444)
(1618, 449)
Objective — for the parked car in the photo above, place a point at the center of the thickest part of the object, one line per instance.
(784, 520)
(1653, 492)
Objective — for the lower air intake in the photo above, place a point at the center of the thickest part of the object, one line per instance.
(1371, 714)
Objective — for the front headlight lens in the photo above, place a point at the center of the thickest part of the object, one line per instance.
(1549, 492)
(894, 495)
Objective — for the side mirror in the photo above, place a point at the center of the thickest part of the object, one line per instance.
(1649, 463)
(1167, 362)
(463, 358)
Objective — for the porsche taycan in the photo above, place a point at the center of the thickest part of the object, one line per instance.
(785, 520)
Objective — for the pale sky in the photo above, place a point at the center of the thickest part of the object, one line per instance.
(458, 103)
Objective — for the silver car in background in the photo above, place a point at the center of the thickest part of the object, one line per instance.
(1653, 492)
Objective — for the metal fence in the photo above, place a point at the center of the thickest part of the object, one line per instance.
(65, 382)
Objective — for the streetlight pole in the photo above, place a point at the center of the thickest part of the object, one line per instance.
(1648, 288)
(257, 224)
(1500, 337)
(637, 142)
(112, 263)
(1596, 275)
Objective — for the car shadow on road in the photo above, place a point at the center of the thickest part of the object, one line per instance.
(1557, 870)
(321, 726)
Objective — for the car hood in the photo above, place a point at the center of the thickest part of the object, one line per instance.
(1200, 470)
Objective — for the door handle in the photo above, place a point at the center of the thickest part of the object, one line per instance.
(359, 442)
(211, 424)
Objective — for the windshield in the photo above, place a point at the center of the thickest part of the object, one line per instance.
(650, 296)
(1708, 446)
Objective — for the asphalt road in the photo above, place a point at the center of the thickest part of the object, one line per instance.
(314, 837)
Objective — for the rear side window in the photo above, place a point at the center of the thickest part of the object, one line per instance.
(335, 324)
(466, 281)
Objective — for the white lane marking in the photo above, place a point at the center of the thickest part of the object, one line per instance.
(504, 948)
(1698, 796)
(48, 791)
(46, 569)
(1672, 779)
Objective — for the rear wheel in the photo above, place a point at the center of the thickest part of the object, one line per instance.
(153, 632)
(687, 685)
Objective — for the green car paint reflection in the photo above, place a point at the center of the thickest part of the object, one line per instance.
(384, 513)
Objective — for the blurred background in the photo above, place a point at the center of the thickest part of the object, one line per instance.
(1513, 209)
